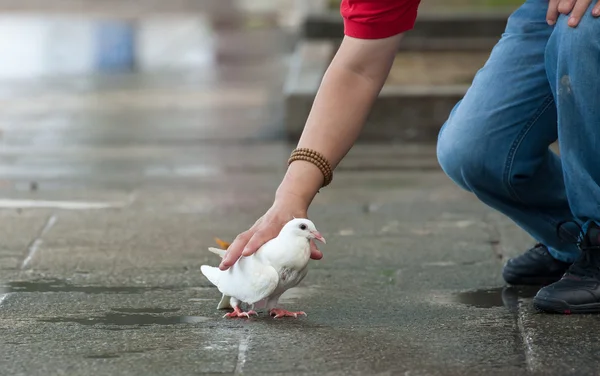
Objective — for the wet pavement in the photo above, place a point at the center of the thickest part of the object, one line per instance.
(112, 188)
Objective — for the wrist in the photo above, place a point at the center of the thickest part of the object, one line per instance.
(300, 184)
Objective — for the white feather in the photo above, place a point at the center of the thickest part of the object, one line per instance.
(217, 251)
(249, 280)
(225, 302)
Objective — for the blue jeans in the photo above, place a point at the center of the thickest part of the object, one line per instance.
(540, 84)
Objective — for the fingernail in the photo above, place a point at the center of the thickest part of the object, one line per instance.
(572, 21)
(596, 12)
(550, 22)
(246, 251)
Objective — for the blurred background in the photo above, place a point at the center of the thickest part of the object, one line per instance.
(119, 74)
(71, 37)
(77, 37)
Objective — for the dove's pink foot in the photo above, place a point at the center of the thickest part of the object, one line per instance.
(277, 313)
(237, 312)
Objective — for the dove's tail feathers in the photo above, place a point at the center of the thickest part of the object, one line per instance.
(217, 251)
(225, 302)
(213, 274)
(223, 244)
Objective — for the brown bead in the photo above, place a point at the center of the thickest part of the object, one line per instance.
(315, 158)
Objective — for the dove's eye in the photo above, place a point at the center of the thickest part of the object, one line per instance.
(303, 227)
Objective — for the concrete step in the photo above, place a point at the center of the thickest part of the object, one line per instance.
(434, 67)
(431, 27)
(420, 92)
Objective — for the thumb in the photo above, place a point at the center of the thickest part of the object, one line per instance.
(315, 253)
(234, 251)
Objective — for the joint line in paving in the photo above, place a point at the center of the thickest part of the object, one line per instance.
(37, 242)
(526, 337)
(3, 298)
(241, 358)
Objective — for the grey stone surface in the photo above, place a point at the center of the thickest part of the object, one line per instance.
(410, 283)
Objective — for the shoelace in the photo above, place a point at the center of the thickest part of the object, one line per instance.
(588, 264)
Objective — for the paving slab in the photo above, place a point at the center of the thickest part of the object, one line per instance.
(390, 281)
(18, 231)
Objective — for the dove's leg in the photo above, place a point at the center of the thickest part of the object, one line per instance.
(278, 312)
(237, 312)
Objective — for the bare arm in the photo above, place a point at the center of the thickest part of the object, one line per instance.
(349, 88)
(345, 97)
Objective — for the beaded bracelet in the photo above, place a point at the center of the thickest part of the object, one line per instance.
(316, 158)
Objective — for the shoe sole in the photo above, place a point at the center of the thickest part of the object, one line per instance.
(529, 281)
(560, 306)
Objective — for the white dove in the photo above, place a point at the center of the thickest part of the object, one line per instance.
(260, 279)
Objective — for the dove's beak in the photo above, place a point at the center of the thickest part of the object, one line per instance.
(319, 237)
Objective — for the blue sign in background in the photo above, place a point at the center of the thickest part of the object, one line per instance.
(115, 46)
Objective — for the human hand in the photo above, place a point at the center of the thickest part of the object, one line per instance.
(575, 7)
(266, 228)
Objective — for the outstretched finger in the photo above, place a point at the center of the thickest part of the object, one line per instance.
(235, 250)
(578, 11)
(596, 10)
(258, 239)
(552, 14)
(566, 6)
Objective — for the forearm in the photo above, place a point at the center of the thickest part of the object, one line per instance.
(339, 113)
(342, 104)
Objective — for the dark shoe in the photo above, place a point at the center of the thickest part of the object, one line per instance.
(578, 291)
(534, 267)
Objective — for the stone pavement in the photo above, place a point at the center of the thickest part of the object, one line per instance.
(112, 188)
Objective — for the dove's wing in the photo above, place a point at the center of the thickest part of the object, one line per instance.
(217, 251)
(249, 280)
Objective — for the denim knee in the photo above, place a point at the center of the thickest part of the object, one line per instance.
(468, 156)
(571, 55)
(568, 49)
